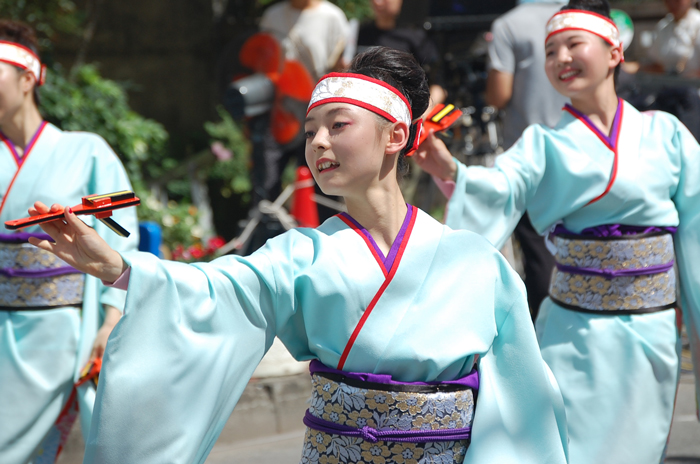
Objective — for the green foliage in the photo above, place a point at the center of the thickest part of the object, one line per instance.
(359, 9)
(91, 103)
(47, 17)
(235, 170)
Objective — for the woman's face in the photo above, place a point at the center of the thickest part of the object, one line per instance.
(345, 148)
(678, 8)
(390, 8)
(13, 90)
(578, 62)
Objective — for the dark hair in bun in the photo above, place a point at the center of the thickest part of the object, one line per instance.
(401, 71)
(602, 7)
(22, 34)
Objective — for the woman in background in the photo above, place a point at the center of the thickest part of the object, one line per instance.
(619, 191)
(53, 319)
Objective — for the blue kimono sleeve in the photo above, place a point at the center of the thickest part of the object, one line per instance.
(687, 239)
(491, 201)
(189, 341)
(520, 415)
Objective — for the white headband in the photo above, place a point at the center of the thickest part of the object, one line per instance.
(587, 21)
(22, 57)
(363, 91)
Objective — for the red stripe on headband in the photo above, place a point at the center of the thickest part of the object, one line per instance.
(29, 50)
(352, 101)
(606, 39)
(374, 81)
(586, 12)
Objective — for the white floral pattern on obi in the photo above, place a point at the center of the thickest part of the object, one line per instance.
(628, 293)
(386, 410)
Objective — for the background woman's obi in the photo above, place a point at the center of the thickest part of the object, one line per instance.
(34, 279)
(614, 271)
(361, 417)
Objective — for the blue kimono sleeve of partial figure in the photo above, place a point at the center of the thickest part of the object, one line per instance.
(520, 414)
(189, 341)
(687, 238)
(491, 201)
(107, 174)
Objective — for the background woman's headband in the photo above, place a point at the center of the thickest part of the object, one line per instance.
(22, 57)
(594, 23)
(363, 91)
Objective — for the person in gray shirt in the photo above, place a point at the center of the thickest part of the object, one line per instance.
(517, 84)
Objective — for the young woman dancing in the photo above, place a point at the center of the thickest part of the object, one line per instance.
(619, 191)
(53, 318)
(419, 336)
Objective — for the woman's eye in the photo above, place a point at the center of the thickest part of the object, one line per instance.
(308, 135)
(338, 125)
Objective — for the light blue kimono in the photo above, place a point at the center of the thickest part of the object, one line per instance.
(618, 374)
(192, 335)
(43, 351)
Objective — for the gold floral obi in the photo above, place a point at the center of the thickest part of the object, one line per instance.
(367, 418)
(34, 279)
(627, 274)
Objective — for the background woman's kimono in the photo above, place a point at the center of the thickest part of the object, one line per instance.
(43, 351)
(618, 374)
(192, 335)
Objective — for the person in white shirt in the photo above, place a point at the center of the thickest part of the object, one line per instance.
(676, 47)
(311, 31)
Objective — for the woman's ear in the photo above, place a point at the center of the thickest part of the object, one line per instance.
(616, 56)
(398, 137)
(27, 82)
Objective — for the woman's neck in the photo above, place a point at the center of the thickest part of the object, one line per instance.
(381, 211)
(21, 127)
(600, 106)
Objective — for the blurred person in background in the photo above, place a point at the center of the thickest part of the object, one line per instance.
(313, 32)
(676, 49)
(517, 84)
(384, 31)
(618, 190)
(53, 318)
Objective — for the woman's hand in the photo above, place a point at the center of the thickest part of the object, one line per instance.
(78, 245)
(435, 159)
(112, 316)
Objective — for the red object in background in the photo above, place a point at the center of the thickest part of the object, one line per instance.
(262, 54)
(304, 207)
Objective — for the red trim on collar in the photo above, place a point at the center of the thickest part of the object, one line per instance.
(378, 295)
(613, 174)
(367, 242)
(27, 152)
